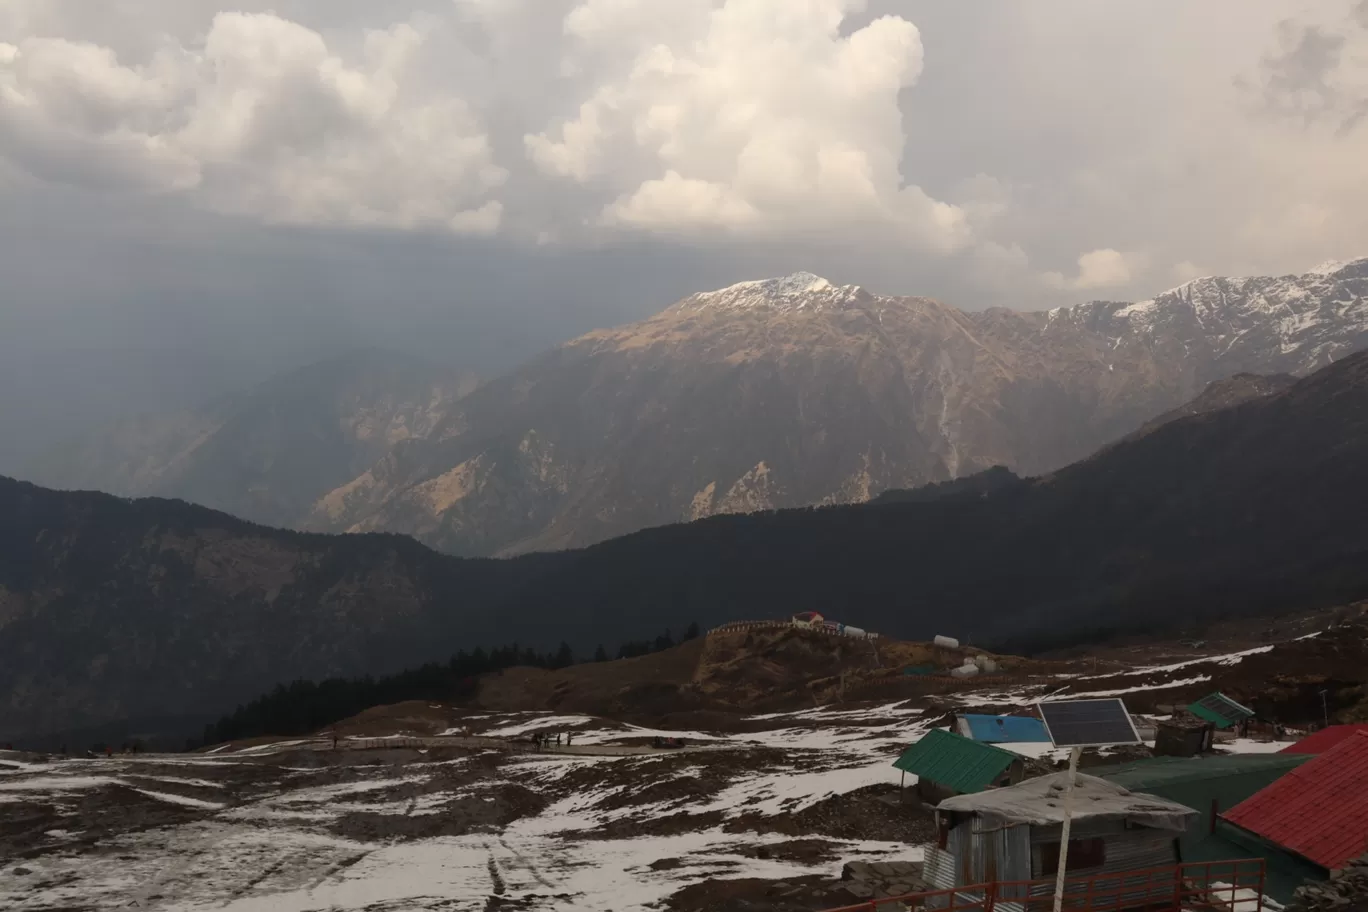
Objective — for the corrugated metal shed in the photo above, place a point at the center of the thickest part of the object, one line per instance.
(947, 759)
(1220, 710)
(1318, 810)
(1321, 741)
(1002, 729)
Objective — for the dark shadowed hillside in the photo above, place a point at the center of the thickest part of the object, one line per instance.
(1258, 507)
(1221, 394)
(114, 608)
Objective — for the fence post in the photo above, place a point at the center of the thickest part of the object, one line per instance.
(990, 896)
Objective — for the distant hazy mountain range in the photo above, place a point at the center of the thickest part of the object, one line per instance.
(266, 454)
(114, 609)
(768, 394)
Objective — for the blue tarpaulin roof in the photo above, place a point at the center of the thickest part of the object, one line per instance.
(1003, 729)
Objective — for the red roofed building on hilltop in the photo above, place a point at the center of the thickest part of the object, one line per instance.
(1321, 741)
(1318, 810)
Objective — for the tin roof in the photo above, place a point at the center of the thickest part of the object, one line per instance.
(948, 759)
(1157, 772)
(1321, 741)
(1318, 810)
(1220, 710)
(1040, 802)
(1002, 729)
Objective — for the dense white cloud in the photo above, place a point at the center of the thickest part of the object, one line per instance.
(260, 118)
(1019, 157)
(1105, 268)
(748, 117)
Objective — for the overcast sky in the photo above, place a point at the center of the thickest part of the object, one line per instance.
(264, 182)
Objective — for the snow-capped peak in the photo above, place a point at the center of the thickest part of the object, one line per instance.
(1330, 267)
(799, 291)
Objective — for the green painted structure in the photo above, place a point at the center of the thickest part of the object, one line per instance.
(1220, 710)
(958, 765)
(1211, 784)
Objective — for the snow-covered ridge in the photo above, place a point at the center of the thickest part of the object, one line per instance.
(1331, 267)
(1293, 324)
(796, 292)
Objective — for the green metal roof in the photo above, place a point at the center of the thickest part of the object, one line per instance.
(1157, 772)
(1220, 710)
(956, 762)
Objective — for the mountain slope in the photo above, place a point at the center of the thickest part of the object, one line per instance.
(112, 608)
(793, 391)
(1221, 394)
(268, 453)
(1254, 508)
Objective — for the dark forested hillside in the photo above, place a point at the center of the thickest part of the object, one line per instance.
(111, 607)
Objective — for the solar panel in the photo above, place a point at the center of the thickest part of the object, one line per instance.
(1088, 723)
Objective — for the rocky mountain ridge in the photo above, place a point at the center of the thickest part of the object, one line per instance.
(794, 391)
(767, 394)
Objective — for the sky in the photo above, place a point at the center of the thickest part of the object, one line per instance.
(193, 194)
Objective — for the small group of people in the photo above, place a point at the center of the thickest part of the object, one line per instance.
(543, 740)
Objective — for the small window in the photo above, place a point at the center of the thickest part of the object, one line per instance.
(1083, 854)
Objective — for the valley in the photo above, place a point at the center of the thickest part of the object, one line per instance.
(426, 805)
(1251, 510)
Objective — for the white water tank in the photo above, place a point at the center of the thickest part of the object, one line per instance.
(964, 671)
(853, 632)
(947, 642)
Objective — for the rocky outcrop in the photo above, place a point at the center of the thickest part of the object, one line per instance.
(1345, 891)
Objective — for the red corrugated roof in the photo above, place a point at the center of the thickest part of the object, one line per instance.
(1323, 740)
(1318, 810)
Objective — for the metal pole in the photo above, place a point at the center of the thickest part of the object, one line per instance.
(1068, 825)
(1325, 705)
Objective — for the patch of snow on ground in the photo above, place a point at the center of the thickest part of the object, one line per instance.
(180, 799)
(787, 792)
(1117, 691)
(1231, 658)
(57, 783)
(1252, 746)
(271, 747)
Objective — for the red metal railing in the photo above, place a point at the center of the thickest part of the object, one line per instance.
(1223, 886)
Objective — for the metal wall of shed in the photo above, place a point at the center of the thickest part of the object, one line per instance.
(938, 869)
(996, 854)
(1079, 829)
(1126, 850)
